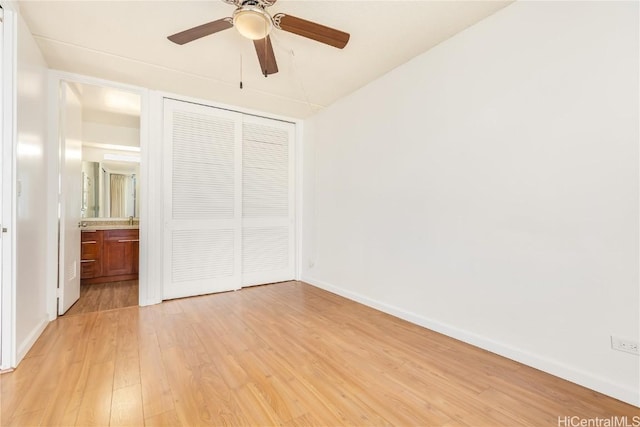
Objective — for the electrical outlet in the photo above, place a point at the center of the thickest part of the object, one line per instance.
(625, 345)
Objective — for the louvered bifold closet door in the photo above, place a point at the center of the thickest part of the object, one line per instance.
(267, 201)
(202, 192)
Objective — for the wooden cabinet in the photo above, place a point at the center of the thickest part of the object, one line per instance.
(109, 255)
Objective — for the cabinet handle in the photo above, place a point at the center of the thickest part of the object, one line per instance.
(88, 231)
(89, 241)
(87, 260)
(129, 240)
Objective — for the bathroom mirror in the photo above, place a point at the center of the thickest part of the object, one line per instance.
(110, 189)
(110, 132)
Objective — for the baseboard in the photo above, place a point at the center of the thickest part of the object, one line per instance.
(26, 345)
(553, 367)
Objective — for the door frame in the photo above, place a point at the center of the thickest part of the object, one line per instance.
(55, 77)
(7, 188)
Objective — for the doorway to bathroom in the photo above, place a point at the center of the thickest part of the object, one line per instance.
(99, 199)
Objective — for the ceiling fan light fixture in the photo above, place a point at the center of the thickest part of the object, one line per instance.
(252, 22)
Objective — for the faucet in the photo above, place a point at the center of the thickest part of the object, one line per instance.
(131, 220)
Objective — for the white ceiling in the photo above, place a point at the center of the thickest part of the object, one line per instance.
(125, 41)
(109, 106)
(100, 98)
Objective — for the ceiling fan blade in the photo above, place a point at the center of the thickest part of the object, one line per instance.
(201, 31)
(267, 58)
(311, 30)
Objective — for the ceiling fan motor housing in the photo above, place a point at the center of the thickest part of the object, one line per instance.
(252, 21)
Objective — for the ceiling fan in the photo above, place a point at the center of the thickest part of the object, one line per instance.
(252, 20)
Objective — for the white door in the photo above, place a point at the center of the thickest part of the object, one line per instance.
(268, 253)
(70, 197)
(202, 188)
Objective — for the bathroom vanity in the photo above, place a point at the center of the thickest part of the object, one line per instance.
(109, 254)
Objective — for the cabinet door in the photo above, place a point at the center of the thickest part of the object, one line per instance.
(118, 252)
(117, 258)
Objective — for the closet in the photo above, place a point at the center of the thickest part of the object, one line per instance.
(228, 200)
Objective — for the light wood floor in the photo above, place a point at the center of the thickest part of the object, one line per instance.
(283, 354)
(105, 296)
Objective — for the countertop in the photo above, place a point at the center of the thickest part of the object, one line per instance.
(109, 227)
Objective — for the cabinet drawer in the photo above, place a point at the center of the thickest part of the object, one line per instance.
(90, 250)
(86, 235)
(130, 235)
(89, 269)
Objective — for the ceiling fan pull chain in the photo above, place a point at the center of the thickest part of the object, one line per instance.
(240, 71)
(266, 55)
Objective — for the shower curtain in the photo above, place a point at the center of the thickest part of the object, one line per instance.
(118, 186)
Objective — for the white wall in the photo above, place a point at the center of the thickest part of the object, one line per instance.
(488, 189)
(31, 312)
(102, 133)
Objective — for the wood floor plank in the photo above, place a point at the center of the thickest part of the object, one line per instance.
(228, 366)
(253, 406)
(156, 392)
(63, 407)
(32, 418)
(164, 419)
(14, 386)
(320, 411)
(283, 354)
(95, 407)
(127, 333)
(102, 343)
(527, 414)
(126, 406)
(189, 401)
(127, 372)
(223, 407)
(40, 390)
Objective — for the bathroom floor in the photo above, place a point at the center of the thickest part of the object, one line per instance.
(105, 296)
